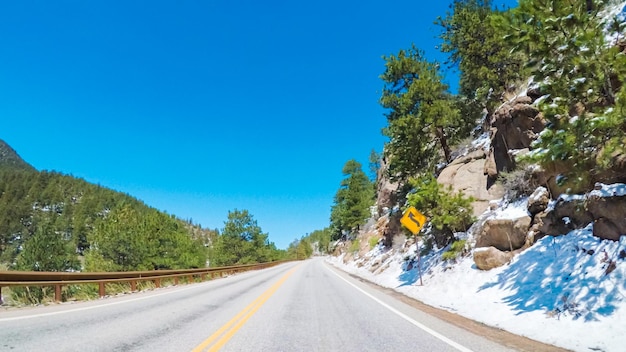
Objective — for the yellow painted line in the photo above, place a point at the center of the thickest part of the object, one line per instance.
(226, 332)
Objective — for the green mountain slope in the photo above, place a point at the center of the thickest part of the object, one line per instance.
(49, 220)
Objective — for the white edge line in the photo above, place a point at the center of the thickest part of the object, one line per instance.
(406, 317)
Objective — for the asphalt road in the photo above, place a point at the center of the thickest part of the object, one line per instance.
(299, 306)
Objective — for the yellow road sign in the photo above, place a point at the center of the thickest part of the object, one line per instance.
(413, 220)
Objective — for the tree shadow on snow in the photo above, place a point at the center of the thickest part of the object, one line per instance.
(410, 270)
(564, 276)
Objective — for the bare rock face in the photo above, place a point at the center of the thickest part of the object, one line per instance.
(504, 234)
(466, 174)
(386, 190)
(488, 258)
(514, 125)
(538, 201)
(387, 198)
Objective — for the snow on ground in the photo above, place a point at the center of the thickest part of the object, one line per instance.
(569, 291)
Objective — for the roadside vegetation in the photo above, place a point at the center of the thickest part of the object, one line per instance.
(55, 222)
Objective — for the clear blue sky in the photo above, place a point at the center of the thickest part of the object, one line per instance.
(201, 107)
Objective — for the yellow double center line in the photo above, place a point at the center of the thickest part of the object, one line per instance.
(226, 332)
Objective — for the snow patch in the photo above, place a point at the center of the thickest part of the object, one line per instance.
(567, 291)
(483, 142)
(613, 190)
(511, 211)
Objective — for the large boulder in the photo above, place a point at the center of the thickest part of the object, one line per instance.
(488, 258)
(609, 214)
(504, 234)
(466, 174)
(606, 229)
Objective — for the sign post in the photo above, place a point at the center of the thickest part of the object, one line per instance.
(413, 220)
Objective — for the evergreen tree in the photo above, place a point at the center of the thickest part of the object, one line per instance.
(582, 76)
(476, 44)
(422, 117)
(75, 209)
(47, 250)
(322, 238)
(242, 241)
(447, 211)
(131, 239)
(300, 249)
(352, 200)
(374, 165)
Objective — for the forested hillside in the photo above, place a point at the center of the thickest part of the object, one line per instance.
(55, 222)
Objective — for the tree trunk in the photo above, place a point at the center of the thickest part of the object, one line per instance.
(443, 140)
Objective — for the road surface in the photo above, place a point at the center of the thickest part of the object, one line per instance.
(297, 306)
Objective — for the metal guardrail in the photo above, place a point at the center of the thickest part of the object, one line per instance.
(60, 279)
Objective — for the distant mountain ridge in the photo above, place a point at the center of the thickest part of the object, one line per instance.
(10, 158)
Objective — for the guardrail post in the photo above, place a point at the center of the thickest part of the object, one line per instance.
(157, 283)
(1, 303)
(101, 289)
(57, 293)
(176, 281)
(133, 286)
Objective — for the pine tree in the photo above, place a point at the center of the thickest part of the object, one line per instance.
(447, 211)
(47, 250)
(129, 238)
(352, 200)
(242, 241)
(422, 117)
(475, 42)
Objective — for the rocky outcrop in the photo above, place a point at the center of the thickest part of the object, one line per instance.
(607, 213)
(387, 197)
(466, 174)
(386, 190)
(515, 125)
(487, 258)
